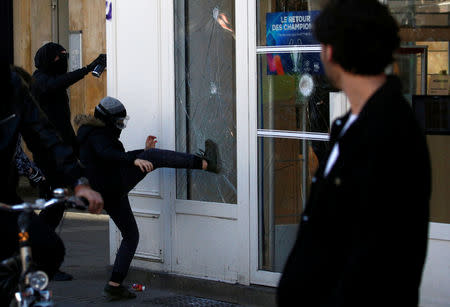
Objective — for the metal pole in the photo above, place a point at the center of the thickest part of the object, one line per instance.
(54, 7)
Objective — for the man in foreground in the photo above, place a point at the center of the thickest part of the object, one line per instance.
(362, 238)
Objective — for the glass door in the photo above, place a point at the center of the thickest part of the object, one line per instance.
(293, 121)
(205, 94)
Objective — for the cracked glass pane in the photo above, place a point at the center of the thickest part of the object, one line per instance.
(293, 92)
(294, 95)
(206, 95)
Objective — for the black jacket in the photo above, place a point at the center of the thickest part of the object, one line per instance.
(363, 236)
(51, 94)
(25, 118)
(49, 87)
(103, 155)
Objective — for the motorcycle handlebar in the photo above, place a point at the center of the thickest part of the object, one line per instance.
(79, 203)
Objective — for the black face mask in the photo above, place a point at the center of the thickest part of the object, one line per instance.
(116, 131)
(60, 66)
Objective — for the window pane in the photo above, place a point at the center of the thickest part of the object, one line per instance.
(429, 13)
(426, 24)
(293, 92)
(206, 94)
(285, 170)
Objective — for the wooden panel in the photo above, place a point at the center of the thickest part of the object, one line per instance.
(22, 34)
(439, 146)
(94, 43)
(78, 90)
(41, 25)
(88, 16)
(75, 15)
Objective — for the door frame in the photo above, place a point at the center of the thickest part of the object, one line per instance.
(238, 213)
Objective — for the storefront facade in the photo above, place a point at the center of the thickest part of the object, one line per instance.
(247, 74)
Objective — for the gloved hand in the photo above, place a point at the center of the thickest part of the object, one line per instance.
(101, 59)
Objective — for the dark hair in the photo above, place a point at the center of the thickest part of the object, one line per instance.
(363, 34)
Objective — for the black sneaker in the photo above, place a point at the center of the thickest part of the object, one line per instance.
(62, 276)
(112, 293)
(211, 155)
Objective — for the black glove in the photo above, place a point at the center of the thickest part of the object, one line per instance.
(101, 59)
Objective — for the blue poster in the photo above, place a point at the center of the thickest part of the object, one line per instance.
(292, 28)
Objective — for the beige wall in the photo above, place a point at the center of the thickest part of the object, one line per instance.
(88, 16)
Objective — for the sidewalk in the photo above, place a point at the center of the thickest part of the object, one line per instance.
(86, 237)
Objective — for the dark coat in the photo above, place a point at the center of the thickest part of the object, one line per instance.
(20, 115)
(27, 119)
(49, 87)
(363, 236)
(103, 155)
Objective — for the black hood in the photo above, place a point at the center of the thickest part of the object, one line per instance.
(44, 60)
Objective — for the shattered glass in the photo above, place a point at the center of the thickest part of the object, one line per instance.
(296, 99)
(206, 95)
(293, 101)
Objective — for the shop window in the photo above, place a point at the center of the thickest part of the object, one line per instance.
(294, 119)
(425, 27)
(205, 90)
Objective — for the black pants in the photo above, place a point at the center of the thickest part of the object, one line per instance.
(119, 208)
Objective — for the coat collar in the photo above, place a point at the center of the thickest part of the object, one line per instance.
(376, 104)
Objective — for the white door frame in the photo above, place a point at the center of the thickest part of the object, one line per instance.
(257, 276)
(239, 213)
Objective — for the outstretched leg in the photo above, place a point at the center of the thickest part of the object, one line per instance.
(207, 160)
(160, 158)
(172, 159)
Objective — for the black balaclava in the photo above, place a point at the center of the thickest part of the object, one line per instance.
(44, 60)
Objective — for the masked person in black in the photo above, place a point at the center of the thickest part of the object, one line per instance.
(20, 115)
(50, 83)
(49, 87)
(114, 172)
